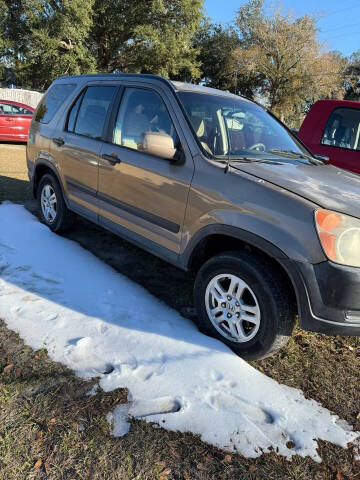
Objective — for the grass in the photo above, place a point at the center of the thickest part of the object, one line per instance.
(42, 404)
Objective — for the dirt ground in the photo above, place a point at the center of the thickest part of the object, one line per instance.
(326, 369)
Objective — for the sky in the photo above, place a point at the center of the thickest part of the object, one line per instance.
(338, 20)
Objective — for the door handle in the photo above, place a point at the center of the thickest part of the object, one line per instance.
(58, 141)
(113, 158)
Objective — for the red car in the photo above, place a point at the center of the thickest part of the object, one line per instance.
(332, 128)
(15, 119)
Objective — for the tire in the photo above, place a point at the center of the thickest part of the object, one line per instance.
(258, 318)
(60, 218)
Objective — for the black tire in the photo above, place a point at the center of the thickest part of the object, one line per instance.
(63, 218)
(276, 306)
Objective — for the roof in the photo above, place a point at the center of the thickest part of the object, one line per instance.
(340, 103)
(174, 85)
(190, 87)
(18, 104)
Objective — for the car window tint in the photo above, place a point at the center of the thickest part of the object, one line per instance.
(93, 111)
(24, 111)
(73, 114)
(5, 108)
(141, 111)
(52, 101)
(343, 129)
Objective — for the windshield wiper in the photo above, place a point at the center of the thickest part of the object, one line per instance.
(294, 154)
(254, 160)
(231, 161)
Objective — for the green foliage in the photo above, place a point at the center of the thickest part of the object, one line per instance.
(56, 36)
(50, 38)
(4, 44)
(216, 44)
(154, 36)
(271, 55)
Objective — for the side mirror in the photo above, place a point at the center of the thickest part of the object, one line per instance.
(158, 144)
(323, 158)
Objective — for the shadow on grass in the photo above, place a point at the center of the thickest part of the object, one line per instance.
(15, 190)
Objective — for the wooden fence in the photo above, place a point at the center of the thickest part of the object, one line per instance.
(28, 97)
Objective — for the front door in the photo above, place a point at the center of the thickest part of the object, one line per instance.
(76, 147)
(143, 195)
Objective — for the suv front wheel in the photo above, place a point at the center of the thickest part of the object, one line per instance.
(243, 301)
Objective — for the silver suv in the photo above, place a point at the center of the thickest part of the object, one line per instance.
(211, 182)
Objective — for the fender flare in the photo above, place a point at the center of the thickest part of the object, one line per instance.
(289, 266)
(35, 180)
(234, 232)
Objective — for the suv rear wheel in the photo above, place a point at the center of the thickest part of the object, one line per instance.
(243, 301)
(52, 208)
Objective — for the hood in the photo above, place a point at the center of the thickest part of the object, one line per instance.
(327, 186)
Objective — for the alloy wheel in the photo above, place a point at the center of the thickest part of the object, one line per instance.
(232, 308)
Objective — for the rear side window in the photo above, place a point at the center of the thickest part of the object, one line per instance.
(88, 114)
(343, 129)
(52, 101)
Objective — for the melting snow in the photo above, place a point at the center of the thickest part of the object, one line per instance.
(99, 323)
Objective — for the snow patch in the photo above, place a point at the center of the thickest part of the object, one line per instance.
(100, 324)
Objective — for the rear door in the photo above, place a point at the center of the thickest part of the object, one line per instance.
(77, 143)
(144, 195)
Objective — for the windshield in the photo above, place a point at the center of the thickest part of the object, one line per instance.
(227, 127)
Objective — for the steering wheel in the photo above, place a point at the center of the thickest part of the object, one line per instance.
(258, 146)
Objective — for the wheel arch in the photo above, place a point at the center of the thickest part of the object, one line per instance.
(215, 239)
(43, 167)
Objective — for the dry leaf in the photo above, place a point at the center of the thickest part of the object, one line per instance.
(228, 458)
(358, 416)
(166, 472)
(52, 420)
(350, 348)
(161, 464)
(47, 467)
(200, 466)
(39, 435)
(252, 468)
(38, 464)
(186, 477)
(8, 368)
(339, 475)
(175, 453)
(163, 478)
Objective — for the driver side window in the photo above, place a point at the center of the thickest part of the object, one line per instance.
(141, 111)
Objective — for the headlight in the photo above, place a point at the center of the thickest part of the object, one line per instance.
(339, 236)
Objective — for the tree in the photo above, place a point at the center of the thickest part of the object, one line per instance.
(216, 45)
(54, 39)
(153, 36)
(352, 78)
(4, 41)
(283, 54)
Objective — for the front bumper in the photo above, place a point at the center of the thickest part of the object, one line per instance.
(328, 297)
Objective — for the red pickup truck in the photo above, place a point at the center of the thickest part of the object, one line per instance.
(332, 128)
